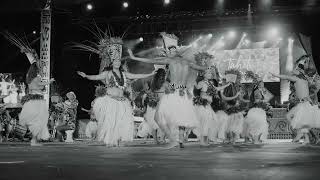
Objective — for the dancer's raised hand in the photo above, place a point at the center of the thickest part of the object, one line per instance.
(82, 74)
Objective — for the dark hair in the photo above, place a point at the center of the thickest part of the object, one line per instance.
(303, 57)
(32, 72)
(158, 79)
(171, 47)
(231, 91)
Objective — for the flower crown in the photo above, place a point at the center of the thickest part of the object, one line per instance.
(233, 75)
(253, 76)
(169, 40)
(202, 58)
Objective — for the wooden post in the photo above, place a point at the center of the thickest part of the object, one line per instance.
(45, 40)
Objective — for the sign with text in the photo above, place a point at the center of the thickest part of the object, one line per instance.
(261, 61)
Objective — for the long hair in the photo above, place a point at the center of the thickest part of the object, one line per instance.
(231, 91)
(254, 89)
(158, 80)
(32, 72)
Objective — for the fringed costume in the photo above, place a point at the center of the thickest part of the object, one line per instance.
(114, 115)
(234, 107)
(176, 110)
(205, 113)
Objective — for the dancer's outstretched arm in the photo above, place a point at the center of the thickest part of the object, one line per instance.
(163, 60)
(139, 76)
(221, 88)
(85, 110)
(229, 98)
(285, 77)
(101, 76)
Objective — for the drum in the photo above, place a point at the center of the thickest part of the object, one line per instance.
(20, 131)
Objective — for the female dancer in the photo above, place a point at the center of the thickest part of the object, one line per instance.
(113, 111)
(256, 125)
(232, 96)
(35, 113)
(207, 116)
(151, 100)
(304, 115)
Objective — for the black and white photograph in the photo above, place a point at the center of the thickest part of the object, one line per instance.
(160, 89)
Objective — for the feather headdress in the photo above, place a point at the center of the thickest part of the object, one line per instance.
(23, 45)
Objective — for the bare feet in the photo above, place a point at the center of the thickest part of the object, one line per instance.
(35, 143)
(171, 145)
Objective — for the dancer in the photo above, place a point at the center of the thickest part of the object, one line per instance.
(35, 113)
(92, 126)
(113, 111)
(304, 115)
(255, 123)
(175, 110)
(232, 95)
(203, 99)
(151, 100)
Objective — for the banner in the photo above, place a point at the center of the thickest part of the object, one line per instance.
(45, 39)
(260, 61)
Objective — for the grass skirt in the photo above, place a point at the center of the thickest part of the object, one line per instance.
(35, 115)
(220, 127)
(256, 123)
(91, 129)
(149, 118)
(115, 120)
(175, 110)
(207, 118)
(304, 115)
(235, 123)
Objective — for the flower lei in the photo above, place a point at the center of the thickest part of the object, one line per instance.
(124, 81)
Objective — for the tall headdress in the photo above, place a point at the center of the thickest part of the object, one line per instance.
(23, 44)
(107, 47)
(169, 40)
(111, 47)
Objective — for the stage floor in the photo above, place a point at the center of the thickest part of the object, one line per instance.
(144, 160)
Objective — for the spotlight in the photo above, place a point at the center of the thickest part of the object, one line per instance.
(244, 34)
(273, 31)
(125, 4)
(141, 39)
(290, 39)
(231, 34)
(166, 2)
(210, 35)
(34, 32)
(89, 6)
